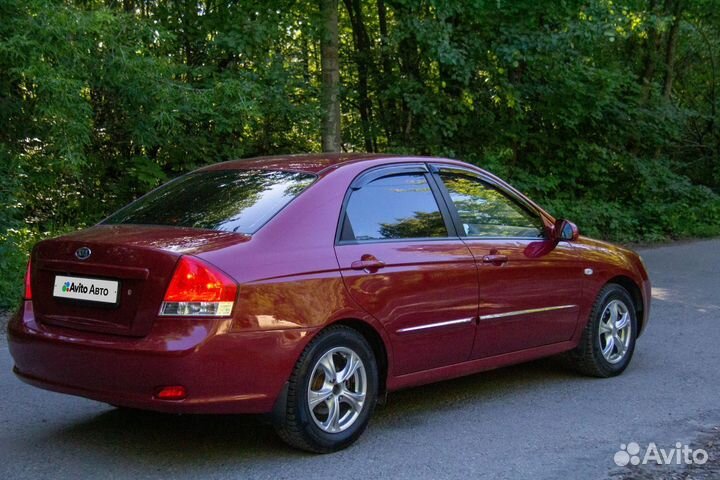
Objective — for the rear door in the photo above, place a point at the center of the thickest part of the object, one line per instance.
(403, 262)
(529, 287)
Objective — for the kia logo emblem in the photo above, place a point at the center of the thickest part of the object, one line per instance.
(83, 253)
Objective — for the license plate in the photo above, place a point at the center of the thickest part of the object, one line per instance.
(87, 289)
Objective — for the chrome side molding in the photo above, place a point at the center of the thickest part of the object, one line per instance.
(482, 317)
(436, 325)
(525, 312)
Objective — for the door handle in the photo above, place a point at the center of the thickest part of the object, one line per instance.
(369, 265)
(495, 259)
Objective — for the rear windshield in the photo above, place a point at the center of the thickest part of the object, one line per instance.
(226, 200)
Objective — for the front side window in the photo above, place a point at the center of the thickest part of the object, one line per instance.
(226, 200)
(393, 207)
(487, 212)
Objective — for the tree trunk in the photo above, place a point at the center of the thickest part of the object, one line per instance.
(387, 111)
(651, 53)
(671, 49)
(306, 58)
(409, 58)
(330, 96)
(363, 62)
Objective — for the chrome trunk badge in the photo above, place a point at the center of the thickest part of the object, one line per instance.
(83, 253)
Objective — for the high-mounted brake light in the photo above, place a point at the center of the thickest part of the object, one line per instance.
(28, 288)
(198, 289)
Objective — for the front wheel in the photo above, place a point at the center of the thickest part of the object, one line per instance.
(332, 392)
(608, 341)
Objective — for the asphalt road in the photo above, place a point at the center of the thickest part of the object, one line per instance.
(536, 420)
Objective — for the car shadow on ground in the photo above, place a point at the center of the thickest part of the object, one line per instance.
(148, 437)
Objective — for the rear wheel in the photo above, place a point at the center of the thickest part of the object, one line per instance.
(608, 341)
(332, 392)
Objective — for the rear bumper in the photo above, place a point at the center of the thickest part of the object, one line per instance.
(223, 371)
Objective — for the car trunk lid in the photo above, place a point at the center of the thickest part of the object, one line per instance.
(138, 260)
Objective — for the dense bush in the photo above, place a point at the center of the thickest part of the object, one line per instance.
(605, 112)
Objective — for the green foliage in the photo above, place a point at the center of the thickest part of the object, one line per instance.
(590, 107)
(15, 245)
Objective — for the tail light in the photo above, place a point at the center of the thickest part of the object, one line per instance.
(28, 288)
(198, 289)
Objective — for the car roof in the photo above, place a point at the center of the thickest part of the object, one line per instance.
(309, 163)
(322, 163)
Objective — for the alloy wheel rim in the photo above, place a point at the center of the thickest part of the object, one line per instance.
(615, 331)
(337, 389)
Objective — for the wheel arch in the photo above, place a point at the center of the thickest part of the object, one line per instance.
(635, 293)
(379, 348)
(375, 339)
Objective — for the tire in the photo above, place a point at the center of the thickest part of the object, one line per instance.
(593, 355)
(316, 429)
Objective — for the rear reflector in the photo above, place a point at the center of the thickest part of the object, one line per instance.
(28, 288)
(174, 392)
(198, 289)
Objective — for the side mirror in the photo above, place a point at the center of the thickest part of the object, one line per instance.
(565, 230)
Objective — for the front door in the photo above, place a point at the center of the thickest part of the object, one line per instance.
(529, 287)
(403, 263)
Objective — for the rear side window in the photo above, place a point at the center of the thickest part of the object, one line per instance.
(226, 200)
(393, 207)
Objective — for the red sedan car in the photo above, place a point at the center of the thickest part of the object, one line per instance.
(309, 286)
